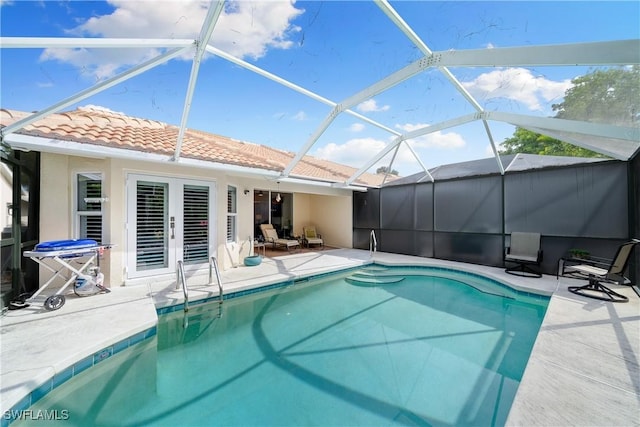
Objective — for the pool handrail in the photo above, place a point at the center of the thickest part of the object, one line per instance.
(181, 279)
(213, 264)
(373, 243)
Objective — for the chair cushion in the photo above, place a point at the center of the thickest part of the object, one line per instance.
(310, 233)
(287, 242)
(588, 269)
(271, 233)
(524, 245)
(521, 258)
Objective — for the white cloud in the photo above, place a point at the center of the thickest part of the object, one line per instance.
(354, 152)
(371, 105)
(244, 29)
(356, 127)
(517, 84)
(300, 116)
(436, 139)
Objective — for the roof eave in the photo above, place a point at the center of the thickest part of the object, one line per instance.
(23, 142)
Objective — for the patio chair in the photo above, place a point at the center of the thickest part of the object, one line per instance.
(311, 237)
(271, 236)
(525, 253)
(596, 275)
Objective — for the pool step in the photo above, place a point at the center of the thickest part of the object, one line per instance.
(374, 268)
(368, 278)
(180, 328)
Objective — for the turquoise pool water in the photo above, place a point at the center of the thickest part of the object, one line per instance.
(371, 347)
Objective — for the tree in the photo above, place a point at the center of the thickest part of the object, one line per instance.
(384, 169)
(609, 96)
(525, 141)
(604, 96)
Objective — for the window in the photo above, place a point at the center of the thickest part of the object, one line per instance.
(232, 213)
(89, 206)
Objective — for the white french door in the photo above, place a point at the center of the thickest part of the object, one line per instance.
(168, 219)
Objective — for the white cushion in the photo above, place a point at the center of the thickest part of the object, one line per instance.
(588, 269)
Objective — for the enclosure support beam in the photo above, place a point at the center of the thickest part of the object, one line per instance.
(205, 34)
(93, 90)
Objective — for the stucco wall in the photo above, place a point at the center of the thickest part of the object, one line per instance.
(55, 197)
(333, 219)
(330, 214)
(302, 214)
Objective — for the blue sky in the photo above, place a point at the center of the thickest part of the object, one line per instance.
(332, 48)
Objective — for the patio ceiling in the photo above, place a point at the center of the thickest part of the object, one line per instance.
(619, 142)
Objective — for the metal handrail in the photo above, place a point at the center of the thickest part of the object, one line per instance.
(213, 264)
(373, 242)
(181, 279)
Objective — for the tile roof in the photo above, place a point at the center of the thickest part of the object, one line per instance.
(96, 126)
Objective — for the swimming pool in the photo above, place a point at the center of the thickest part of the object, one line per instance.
(376, 346)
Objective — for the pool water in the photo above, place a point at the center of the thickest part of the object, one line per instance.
(407, 349)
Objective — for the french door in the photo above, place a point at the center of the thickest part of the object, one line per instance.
(168, 219)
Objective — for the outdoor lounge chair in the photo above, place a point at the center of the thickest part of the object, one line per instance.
(615, 273)
(524, 252)
(271, 236)
(311, 237)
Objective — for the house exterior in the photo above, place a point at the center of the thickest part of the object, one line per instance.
(115, 179)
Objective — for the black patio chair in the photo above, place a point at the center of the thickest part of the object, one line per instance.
(596, 275)
(525, 253)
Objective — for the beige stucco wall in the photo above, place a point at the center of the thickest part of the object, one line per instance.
(333, 219)
(327, 208)
(55, 197)
(302, 214)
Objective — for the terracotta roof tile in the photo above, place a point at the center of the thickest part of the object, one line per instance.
(106, 128)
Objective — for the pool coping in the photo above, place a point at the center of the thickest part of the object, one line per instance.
(245, 281)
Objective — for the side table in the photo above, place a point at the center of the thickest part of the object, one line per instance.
(259, 245)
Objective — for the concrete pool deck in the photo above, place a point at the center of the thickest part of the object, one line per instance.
(584, 368)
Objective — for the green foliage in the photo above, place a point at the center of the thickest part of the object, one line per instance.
(525, 141)
(610, 96)
(384, 169)
(579, 253)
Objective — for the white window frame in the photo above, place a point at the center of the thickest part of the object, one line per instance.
(232, 214)
(79, 214)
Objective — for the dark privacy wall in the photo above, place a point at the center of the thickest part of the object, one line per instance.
(634, 213)
(592, 207)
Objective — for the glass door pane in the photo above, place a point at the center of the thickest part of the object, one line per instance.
(282, 213)
(260, 211)
(151, 225)
(196, 224)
